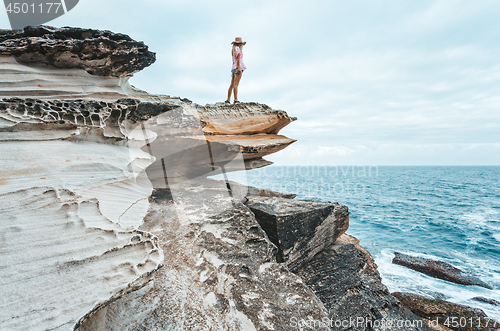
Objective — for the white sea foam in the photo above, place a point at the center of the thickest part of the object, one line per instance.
(398, 278)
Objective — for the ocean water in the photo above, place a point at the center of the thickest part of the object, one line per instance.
(445, 213)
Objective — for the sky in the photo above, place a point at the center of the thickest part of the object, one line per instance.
(393, 82)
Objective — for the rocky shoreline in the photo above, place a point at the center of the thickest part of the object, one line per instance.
(110, 222)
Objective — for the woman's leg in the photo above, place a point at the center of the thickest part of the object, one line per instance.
(237, 78)
(230, 89)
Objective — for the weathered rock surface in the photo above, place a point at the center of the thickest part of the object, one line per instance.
(219, 271)
(101, 53)
(345, 278)
(168, 129)
(300, 229)
(69, 237)
(243, 119)
(42, 81)
(437, 269)
(451, 315)
(255, 146)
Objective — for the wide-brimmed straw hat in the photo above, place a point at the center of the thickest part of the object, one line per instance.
(238, 40)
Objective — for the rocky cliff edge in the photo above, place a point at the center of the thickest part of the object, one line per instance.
(110, 222)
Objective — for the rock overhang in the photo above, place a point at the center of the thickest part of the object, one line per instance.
(101, 53)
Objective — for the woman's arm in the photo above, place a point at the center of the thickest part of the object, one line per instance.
(238, 57)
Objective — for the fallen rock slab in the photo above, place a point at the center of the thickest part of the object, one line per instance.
(299, 228)
(451, 315)
(437, 269)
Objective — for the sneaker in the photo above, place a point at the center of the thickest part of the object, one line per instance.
(236, 102)
(228, 102)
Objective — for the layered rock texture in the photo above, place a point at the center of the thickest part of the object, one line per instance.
(101, 53)
(108, 219)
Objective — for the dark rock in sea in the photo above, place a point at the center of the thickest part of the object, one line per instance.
(101, 53)
(487, 300)
(437, 269)
(300, 229)
(451, 315)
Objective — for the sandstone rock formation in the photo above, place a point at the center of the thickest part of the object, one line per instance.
(101, 53)
(437, 269)
(219, 271)
(109, 222)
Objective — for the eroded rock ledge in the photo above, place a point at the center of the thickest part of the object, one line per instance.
(174, 125)
(101, 53)
(109, 222)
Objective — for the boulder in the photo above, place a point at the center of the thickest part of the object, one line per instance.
(300, 229)
(437, 269)
(448, 314)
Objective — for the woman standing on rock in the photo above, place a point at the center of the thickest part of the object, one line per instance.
(237, 69)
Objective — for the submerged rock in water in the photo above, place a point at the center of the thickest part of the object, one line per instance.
(448, 314)
(437, 269)
(487, 300)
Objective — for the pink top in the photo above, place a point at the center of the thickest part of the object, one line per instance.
(238, 54)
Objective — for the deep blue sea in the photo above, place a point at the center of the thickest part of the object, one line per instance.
(447, 213)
